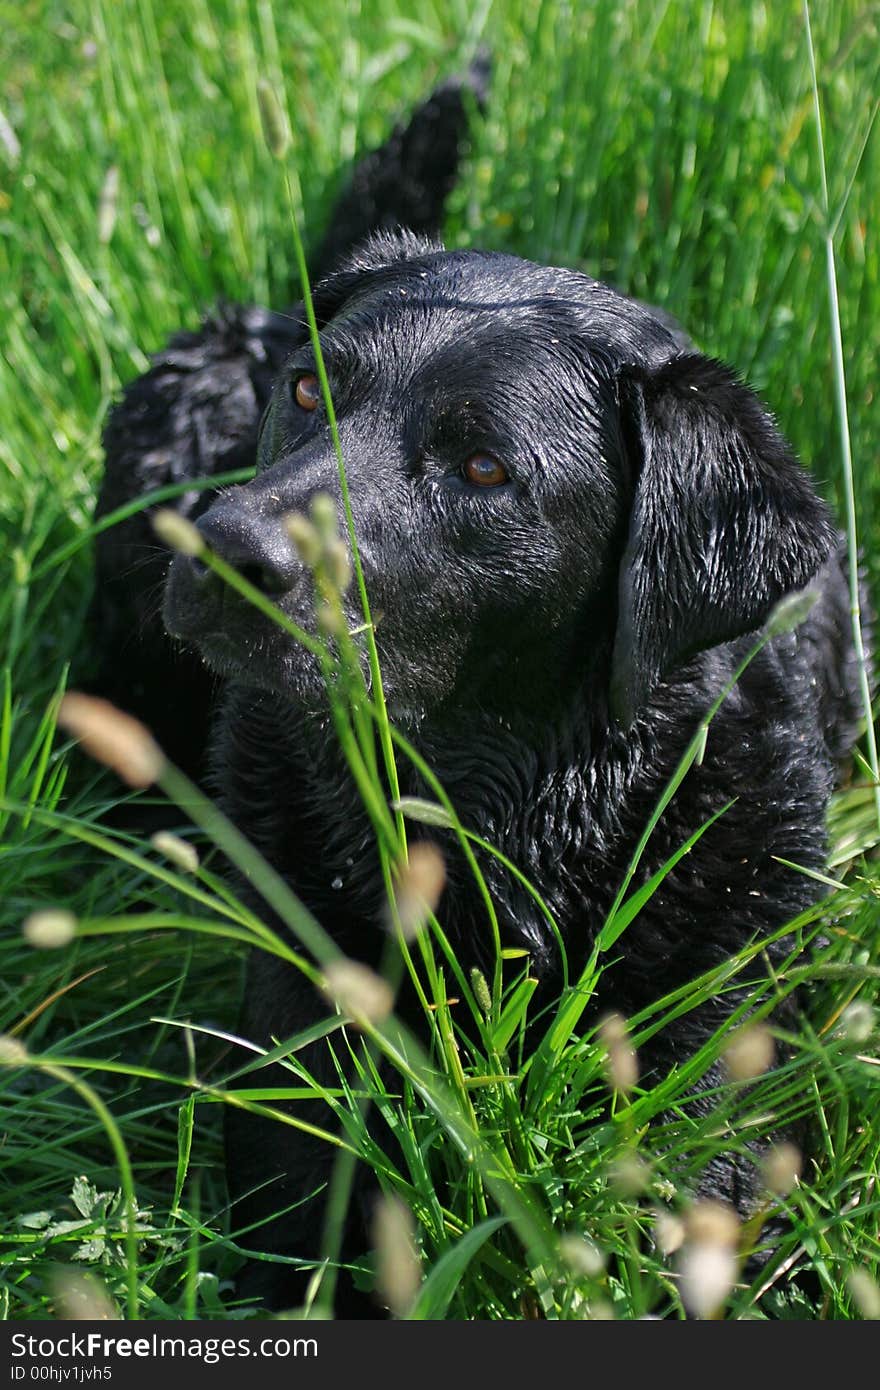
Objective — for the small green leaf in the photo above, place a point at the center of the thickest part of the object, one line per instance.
(184, 1147)
(617, 923)
(84, 1196)
(514, 1012)
(91, 1250)
(34, 1220)
(437, 1291)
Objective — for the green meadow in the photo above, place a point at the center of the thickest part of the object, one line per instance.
(669, 148)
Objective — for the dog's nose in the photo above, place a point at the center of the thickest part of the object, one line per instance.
(258, 547)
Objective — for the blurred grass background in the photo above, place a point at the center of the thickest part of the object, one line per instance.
(666, 147)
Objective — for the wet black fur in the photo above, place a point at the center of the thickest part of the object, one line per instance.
(549, 644)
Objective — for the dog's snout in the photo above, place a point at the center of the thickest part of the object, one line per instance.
(257, 546)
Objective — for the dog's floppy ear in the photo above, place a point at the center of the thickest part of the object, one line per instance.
(724, 521)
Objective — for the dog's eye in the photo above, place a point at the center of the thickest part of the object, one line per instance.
(307, 391)
(484, 470)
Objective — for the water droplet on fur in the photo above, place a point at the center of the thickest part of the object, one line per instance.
(337, 882)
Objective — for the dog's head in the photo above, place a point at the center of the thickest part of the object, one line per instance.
(543, 484)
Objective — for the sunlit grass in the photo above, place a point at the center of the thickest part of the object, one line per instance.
(667, 148)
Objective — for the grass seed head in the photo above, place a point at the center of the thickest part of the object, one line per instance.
(669, 1231)
(582, 1256)
(865, 1293)
(81, 1297)
(305, 538)
(178, 533)
(707, 1274)
(791, 611)
(358, 991)
(629, 1174)
(599, 1310)
(330, 619)
(12, 1052)
(398, 1268)
(49, 928)
(782, 1168)
(180, 852)
(749, 1053)
(857, 1021)
(338, 564)
(419, 887)
(112, 737)
(325, 516)
(276, 132)
(481, 990)
(712, 1223)
(708, 1264)
(621, 1063)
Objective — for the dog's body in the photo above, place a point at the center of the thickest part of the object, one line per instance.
(569, 523)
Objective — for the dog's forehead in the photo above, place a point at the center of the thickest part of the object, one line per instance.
(489, 305)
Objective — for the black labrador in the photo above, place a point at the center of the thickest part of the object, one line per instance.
(572, 524)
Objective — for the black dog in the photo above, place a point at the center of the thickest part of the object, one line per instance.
(569, 521)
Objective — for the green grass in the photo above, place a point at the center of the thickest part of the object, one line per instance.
(669, 148)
